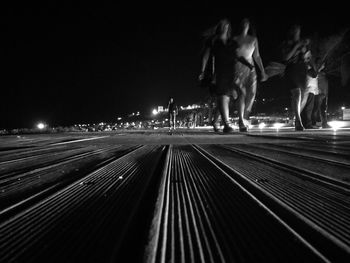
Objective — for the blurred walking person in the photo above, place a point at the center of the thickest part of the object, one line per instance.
(308, 95)
(245, 75)
(172, 112)
(319, 113)
(295, 75)
(219, 56)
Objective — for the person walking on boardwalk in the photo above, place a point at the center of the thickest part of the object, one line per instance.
(245, 77)
(220, 53)
(295, 75)
(172, 112)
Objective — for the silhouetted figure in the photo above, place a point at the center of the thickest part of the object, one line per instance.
(295, 75)
(345, 70)
(309, 93)
(245, 77)
(172, 112)
(319, 113)
(220, 53)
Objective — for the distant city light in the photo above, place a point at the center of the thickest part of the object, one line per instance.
(262, 125)
(154, 112)
(278, 125)
(119, 118)
(285, 108)
(343, 108)
(336, 124)
(41, 126)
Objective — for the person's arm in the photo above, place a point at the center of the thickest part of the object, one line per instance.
(205, 60)
(287, 55)
(258, 61)
(312, 70)
(321, 67)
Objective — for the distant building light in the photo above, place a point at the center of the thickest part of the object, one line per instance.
(343, 108)
(286, 108)
(278, 125)
(262, 125)
(119, 118)
(154, 112)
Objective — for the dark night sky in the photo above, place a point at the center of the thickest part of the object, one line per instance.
(70, 63)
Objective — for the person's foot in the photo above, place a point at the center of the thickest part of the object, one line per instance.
(216, 127)
(228, 129)
(243, 125)
(299, 127)
(326, 126)
(246, 122)
(243, 128)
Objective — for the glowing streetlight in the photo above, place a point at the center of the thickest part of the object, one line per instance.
(154, 112)
(41, 126)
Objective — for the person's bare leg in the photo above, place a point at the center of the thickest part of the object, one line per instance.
(241, 108)
(295, 103)
(250, 97)
(223, 103)
(304, 97)
(215, 122)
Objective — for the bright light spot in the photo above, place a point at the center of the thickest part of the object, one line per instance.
(41, 125)
(154, 112)
(285, 108)
(119, 118)
(262, 125)
(278, 125)
(336, 124)
(234, 126)
(343, 108)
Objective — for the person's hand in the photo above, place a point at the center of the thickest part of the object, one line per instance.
(201, 76)
(264, 77)
(321, 67)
